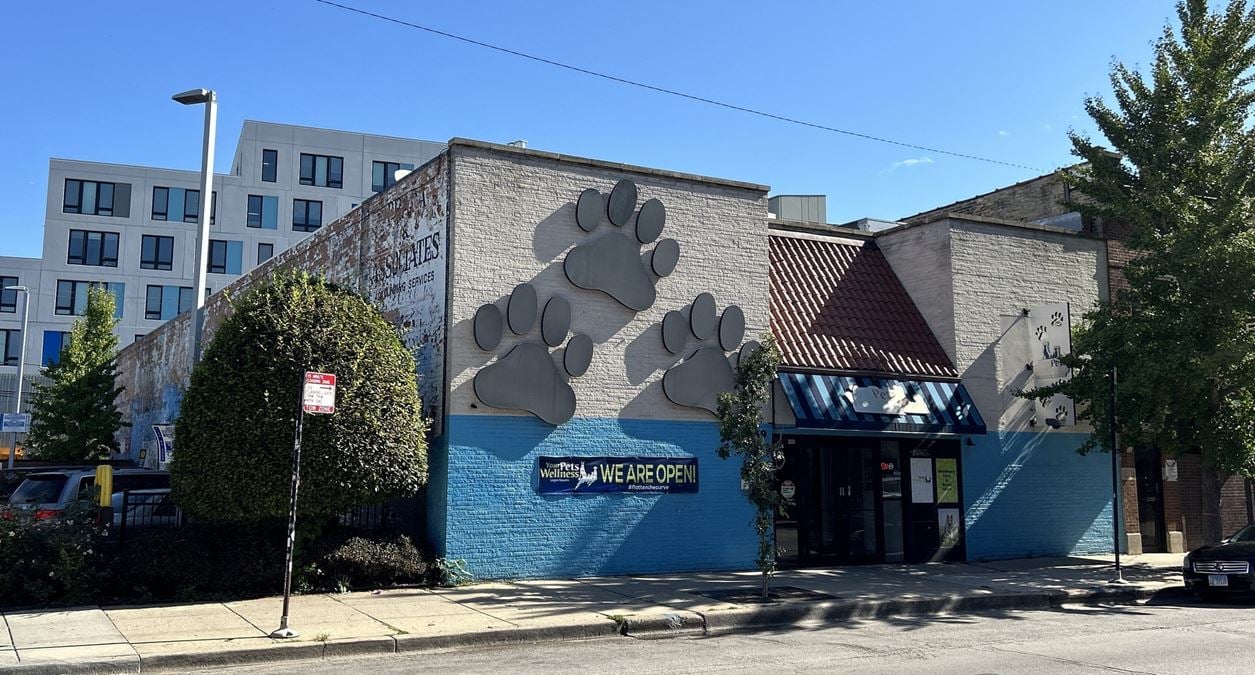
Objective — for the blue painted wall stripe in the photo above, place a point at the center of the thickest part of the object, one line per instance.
(494, 519)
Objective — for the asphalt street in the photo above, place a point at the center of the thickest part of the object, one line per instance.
(1184, 637)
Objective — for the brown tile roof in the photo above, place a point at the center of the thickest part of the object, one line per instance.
(837, 305)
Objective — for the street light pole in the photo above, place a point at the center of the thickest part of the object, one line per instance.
(21, 359)
(210, 99)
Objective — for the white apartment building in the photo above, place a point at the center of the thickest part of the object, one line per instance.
(133, 228)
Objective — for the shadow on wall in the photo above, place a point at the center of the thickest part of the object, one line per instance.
(600, 326)
(1030, 494)
(556, 233)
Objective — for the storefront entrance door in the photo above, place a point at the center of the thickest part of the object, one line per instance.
(833, 503)
(1150, 499)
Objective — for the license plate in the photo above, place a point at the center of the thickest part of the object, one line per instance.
(1217, 580)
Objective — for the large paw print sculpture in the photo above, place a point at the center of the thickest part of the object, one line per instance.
(612, 263)
(699, 380)
(526, 378)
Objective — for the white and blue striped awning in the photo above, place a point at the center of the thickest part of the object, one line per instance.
(828, 402)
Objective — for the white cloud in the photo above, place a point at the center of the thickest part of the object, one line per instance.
(1004, 133)
(914, 161)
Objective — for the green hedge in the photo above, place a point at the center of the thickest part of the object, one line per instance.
(238, 416)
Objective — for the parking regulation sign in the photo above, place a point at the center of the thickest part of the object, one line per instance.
(319, 395)
(18, 423)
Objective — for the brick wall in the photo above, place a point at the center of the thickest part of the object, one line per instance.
(367, 250)
(921, 259)
(1030, 200)
(1028, 491)
(513, 222)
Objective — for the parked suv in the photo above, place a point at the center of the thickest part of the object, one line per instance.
(48, 493)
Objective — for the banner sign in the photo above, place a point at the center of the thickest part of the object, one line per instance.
(580, 475)
(165, 442)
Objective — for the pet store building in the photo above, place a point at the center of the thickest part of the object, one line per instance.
(574, 321)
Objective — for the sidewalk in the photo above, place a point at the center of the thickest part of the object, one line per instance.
(130, 639)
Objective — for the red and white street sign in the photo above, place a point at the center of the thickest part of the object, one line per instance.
(319, 396)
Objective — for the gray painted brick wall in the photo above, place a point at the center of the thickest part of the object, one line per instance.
(513, 222)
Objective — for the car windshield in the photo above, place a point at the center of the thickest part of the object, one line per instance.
(1245, 534)
(38, 490)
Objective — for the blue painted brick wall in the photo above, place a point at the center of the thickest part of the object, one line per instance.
(1030, 494)
(496, 521)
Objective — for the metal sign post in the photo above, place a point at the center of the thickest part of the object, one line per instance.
(318, 397)
(1115, 474)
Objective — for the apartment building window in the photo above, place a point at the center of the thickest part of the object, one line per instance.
(225, 257)
(180, 204)
(306, 215)
(8, 299)
(162, 303)
(11, 346)
(265, 252)
(54, 342)
(269, 165)
(383, 174)
(322, 170)
(96, 198)
(93, 248)
(263, 212)
(71, 299)
(156, 252)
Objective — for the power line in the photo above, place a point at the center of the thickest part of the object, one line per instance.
(672, 92)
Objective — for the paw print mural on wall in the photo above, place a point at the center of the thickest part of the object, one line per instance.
(526, 378)
(698, 381)
(612, 263)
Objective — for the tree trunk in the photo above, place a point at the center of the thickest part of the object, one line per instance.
(1213, 529)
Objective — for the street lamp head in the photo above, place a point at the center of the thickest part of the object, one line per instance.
(195, 96)
(16, 288)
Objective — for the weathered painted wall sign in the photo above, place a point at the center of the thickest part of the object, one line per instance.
(580, 475)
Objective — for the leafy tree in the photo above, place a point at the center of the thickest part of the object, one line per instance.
(1182, 178)
(740, 413)
(74, 418)
(238, 416)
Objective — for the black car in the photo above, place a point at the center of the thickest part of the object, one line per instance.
(1212, 571)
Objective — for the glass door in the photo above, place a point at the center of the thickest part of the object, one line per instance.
(831, 510)
(858, 505)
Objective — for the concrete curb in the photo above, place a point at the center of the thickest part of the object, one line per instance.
(259, 652)
(508, 636)
(129, 665)
(670, 624)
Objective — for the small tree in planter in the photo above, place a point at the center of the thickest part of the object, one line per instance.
(741, 433)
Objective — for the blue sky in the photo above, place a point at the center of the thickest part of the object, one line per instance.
(1000, 79)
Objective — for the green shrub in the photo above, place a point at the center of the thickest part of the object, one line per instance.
(238, 415)
(47, 562)
(368, 562)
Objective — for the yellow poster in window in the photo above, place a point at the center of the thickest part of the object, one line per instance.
(947, 481)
